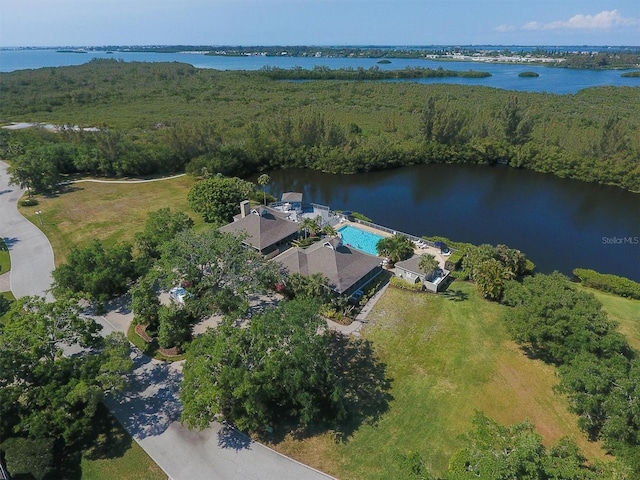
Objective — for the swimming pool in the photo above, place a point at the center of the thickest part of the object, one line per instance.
(360, 239)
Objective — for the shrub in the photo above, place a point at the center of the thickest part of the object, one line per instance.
(608, 283)
(455, 259)
(404, 285)
(29, 202)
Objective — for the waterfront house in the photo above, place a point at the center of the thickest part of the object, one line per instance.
(347, 269)
(267, 230)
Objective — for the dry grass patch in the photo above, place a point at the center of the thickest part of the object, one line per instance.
(108, 212)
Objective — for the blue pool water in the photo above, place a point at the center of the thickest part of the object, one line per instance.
(360, 239)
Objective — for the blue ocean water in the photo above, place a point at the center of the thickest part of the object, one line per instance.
(505, 76)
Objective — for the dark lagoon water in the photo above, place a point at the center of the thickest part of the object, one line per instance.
(505, 76)
(560, 224)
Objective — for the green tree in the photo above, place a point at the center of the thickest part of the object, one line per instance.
(44, 393)
(328, 230)
(144, 301)
(428, 264)
(395, 248)
(34, 171)
(516, 452)
(160, 227)
(210, 262)
(310, 226)
(517, 127)
(279, 368)
(556, 322)
(96, 272)
(428, 119)
(175, 326)
(29, 456)
(218, 198)
(312, 286)
(490, 277)
(263, 181)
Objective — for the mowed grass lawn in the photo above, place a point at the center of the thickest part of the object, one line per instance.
(447, 358)
(625, 312)
(5, 259)
(109, 212)
(134, 464)
(114, 454)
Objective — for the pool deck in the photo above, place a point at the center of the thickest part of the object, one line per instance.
(417, 250)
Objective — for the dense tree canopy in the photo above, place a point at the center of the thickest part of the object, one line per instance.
(284, 367)
(97, 272)
(554, 321)
(490, 268)
(160, 227)
(216, 268)
(218, 198)
(163, 117)
(45, 394)
(494, 451)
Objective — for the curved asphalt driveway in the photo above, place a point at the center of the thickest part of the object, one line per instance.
(30, 251)
(150, 409)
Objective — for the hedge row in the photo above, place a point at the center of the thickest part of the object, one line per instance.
(608, 283)
(404, 285)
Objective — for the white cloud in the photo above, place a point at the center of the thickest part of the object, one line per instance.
(505, 28)
(605, 20)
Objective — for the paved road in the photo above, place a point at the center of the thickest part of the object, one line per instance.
(30, 251)
(150, 409)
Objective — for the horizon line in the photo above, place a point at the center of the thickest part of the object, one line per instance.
(455, 45)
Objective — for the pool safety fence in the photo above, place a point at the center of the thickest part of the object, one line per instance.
(413, 238)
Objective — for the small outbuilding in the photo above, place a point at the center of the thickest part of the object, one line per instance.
(409, 270)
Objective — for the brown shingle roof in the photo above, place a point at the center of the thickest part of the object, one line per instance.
(291, 197)
(264, 228)
(343, 266)
(411, 264)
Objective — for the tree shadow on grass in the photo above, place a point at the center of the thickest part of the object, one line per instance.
(364, 382)
(456, 295)
(110, 440)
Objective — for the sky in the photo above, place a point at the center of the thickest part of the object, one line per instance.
(319, 22)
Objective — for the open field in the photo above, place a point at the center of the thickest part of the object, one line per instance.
(109, 212)
(448, 356)
(625, 312)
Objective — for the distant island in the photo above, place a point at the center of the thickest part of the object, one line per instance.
(590, 57)
(372, 73)
(529, 74)
(634, 74)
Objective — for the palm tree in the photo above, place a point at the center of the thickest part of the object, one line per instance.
(428, 264)
(328, 230)
(395, 248)
(310, 226)
(263, 181)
